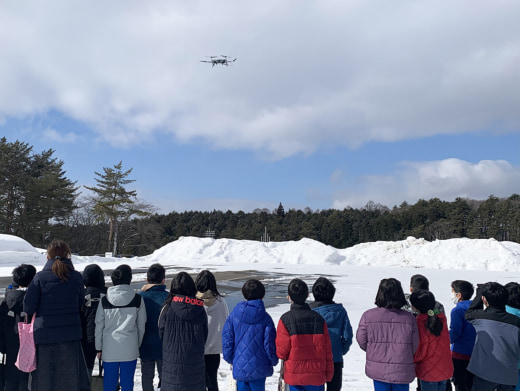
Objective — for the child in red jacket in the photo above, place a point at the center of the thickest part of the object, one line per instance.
(302, 340)
(433, 364)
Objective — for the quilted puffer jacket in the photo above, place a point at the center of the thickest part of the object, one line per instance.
(248, 341)
(338, 323)
(433, 357)
(390, 338)
(183, 328)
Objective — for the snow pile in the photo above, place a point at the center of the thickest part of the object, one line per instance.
(193, 252)
(14, 251)
(466, 254)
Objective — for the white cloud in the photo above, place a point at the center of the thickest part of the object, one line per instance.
(444, 179)
(55, 136)
(307, 76)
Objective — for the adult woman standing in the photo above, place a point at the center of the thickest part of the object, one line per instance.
(183, 328)
(217, 311)
(55, 297)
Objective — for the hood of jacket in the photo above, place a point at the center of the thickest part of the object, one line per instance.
(153, 287)
(186, 307)
(14, 298)
(120, 295)
(93, 276)
(250, 311)
(208, 297)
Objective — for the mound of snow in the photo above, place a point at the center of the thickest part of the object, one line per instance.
(15, 250)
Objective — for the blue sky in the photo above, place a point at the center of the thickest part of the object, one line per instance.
(330, 104)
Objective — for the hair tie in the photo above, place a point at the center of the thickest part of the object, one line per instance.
(57, 258)
(430, 313)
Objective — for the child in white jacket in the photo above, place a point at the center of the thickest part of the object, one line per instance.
(120, 325)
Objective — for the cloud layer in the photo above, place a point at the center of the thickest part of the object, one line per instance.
(308, 76)
(444, 179)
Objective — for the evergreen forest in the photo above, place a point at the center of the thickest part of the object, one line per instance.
(39, 203)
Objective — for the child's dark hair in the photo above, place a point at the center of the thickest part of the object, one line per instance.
(323, 290)
(253, 290)
(465, 288)
(121, 275)
(182, 284)
(58, 250)
(513, 294)
(495, 294)
(206, 281)
(23, 275)
(298, 291)
(390, 294)
(155, 274)
(418, 281)
(93, 276)
(424, 302)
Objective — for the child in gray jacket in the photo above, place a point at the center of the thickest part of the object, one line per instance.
(120, 326)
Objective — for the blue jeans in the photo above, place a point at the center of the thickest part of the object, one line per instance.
(433, 385)
(123, 371)
(255, 385)
(307, 388)
(382, 386)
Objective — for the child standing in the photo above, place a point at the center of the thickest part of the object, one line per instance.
(513, 307)
(217, 311)
(154, 294)
(338, 324)
(11, 312)
(389, 336)
(433, 365)
(248, 339)
(462, 335)
(94, 280)
(183, 327)
(120, 326)
(494, 360)
(303, 342)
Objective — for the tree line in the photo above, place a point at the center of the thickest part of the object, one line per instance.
(38, 203)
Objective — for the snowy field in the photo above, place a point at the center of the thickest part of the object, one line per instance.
(356, 272)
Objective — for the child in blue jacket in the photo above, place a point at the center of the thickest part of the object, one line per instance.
(338, 323)
(248, 339)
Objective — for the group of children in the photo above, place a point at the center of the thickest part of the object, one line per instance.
(407, 336)
(182, 332)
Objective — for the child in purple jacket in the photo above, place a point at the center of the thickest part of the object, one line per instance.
(390, 337)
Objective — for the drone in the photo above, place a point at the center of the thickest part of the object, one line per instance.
(222, 60)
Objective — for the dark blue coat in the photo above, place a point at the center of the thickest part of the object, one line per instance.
(338, 323)
(183, 327)
(56, 304)
(154, 297)
(248, 341)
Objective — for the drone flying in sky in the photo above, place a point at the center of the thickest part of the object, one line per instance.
(222, 60)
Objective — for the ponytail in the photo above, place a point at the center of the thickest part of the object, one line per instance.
(424, 302)
(433, 323)
(58, 250)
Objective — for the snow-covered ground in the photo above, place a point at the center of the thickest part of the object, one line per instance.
(356, 271)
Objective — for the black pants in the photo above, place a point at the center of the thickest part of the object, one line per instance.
(212, 362)
(480, 384)
(337, 379)
(462, 378)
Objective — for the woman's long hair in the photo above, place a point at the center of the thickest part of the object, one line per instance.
(182, 284)
(206, 281)
(58, 250)
(424, 302)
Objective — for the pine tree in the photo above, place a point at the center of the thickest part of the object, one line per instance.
(112, 200)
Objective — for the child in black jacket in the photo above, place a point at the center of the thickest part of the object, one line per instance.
(11, 312)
